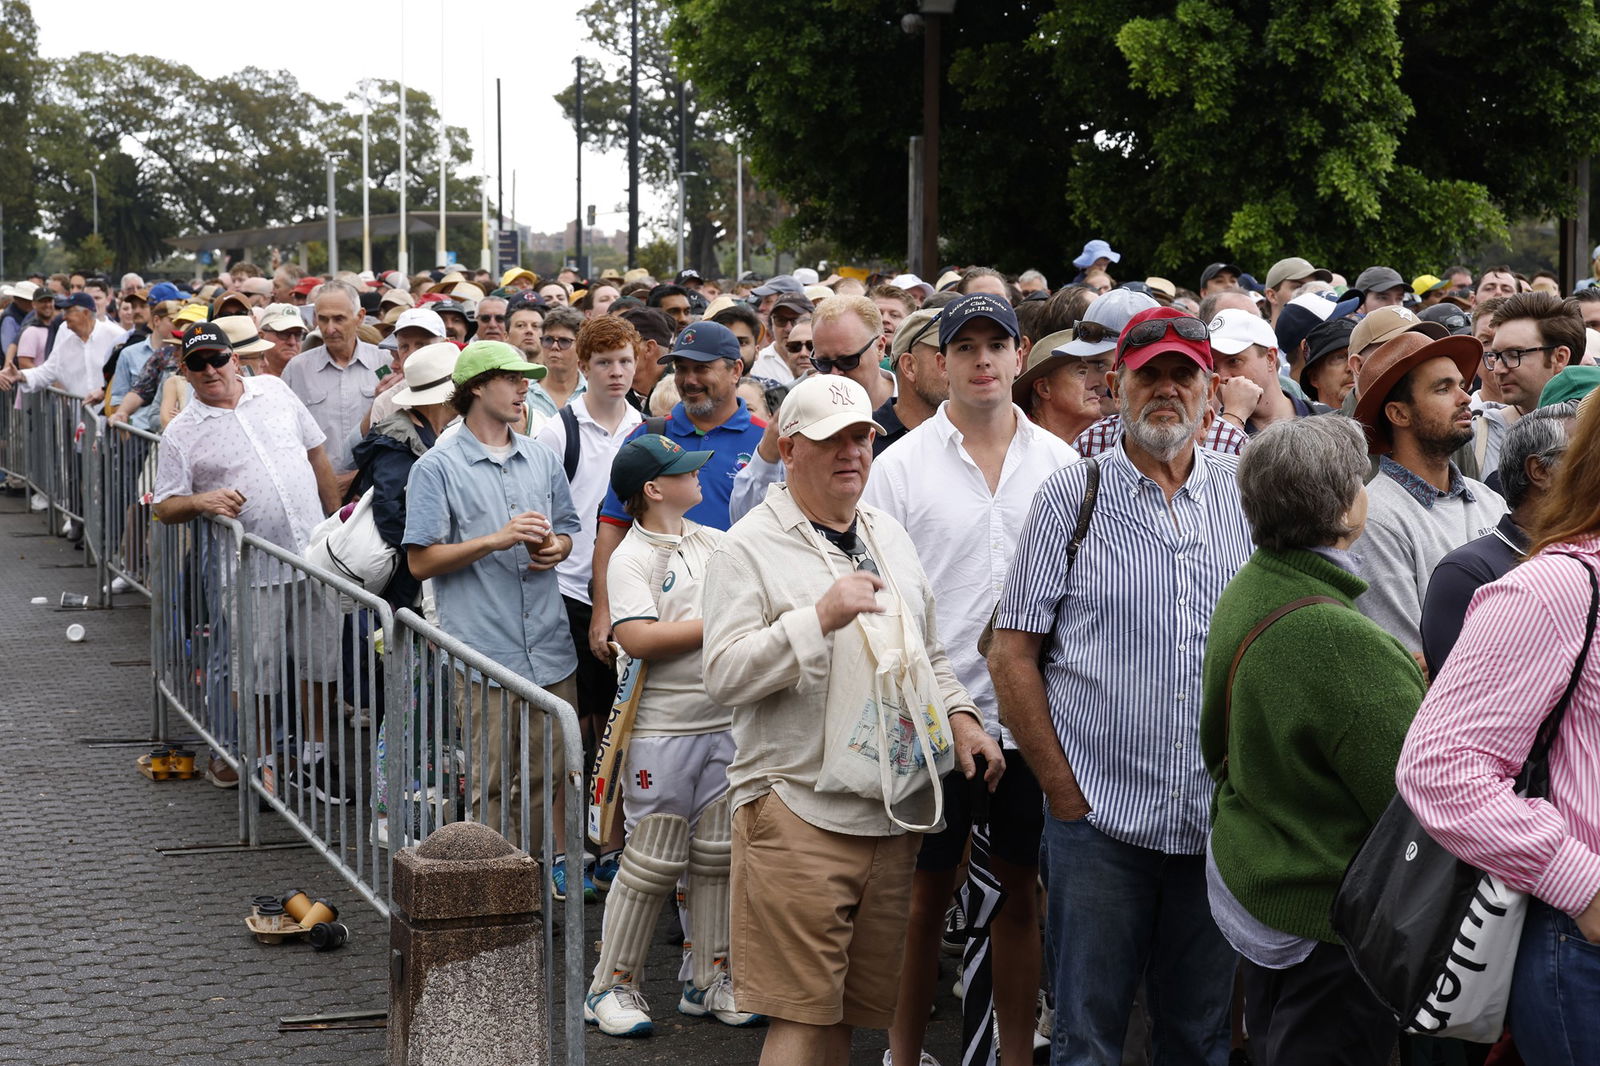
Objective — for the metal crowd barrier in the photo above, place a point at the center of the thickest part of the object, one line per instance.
(362, 727)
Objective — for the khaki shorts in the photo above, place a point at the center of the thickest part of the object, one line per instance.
(297, 621)
(818, 918)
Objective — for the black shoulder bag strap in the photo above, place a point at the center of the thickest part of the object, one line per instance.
(1535, 777)
(569, 456)
(1080, 529)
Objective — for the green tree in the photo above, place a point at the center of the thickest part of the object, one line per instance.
(1182, 132)
(18, 76)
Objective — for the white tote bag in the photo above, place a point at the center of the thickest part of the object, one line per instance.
(896, 742)
(353, 548)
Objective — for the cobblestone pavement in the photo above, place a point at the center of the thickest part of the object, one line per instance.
(115, 953)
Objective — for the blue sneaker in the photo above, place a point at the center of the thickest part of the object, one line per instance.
(605, 871)
(591, 892)
(558, 879)
(716, 1001)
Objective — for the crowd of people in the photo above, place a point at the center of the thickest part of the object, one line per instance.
(1162, 588)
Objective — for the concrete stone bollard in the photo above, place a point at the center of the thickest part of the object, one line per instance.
(466, 952)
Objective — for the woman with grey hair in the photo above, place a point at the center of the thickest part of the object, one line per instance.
(1306, 706)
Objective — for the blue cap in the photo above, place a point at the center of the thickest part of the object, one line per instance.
(957, 313)
(77, 299)
(164, 290)
(706, 342)
(1096, 249)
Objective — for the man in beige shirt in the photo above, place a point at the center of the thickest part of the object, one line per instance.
(821, 879)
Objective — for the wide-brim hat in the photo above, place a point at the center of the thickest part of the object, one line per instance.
(1042, 359)
(243, 334)
(1383, 369)
(429, 375)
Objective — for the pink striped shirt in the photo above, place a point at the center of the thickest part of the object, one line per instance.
(1475, 728)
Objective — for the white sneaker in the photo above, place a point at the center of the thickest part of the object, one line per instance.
(619, 1011)
(717, 1001)
(37, 502)
(1044, 1023)
(924, 1059)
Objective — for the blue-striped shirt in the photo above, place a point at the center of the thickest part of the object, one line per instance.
(1127, 635)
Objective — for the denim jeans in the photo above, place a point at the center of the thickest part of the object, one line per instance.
(1555, 992)
(1119, 913)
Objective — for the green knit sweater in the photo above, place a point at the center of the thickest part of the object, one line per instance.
(1321, 705)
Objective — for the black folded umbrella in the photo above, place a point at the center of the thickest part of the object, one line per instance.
(981, 898)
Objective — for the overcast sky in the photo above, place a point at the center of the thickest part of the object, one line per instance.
(331, 46)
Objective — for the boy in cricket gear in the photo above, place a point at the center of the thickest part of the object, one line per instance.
(675, 780)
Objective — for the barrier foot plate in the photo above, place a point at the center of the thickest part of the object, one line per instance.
(358, 1019)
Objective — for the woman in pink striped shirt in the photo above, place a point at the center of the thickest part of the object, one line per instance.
(1515, 658)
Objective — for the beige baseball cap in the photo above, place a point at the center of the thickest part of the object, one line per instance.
(1387, 323)
(281, 318)
(822, 405)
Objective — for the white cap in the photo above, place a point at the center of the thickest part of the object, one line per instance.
(428, 373)
(1234, 330)
(822, 405)
(911, 283)
(424, 318)
(806, 276)
(281, 318)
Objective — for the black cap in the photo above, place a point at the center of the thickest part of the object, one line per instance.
(1216, 268)
(205, 337)
(958, 313)
(1449, 316)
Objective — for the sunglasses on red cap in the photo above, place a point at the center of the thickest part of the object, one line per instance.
(1152, 330)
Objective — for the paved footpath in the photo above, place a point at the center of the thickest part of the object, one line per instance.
(112, 952)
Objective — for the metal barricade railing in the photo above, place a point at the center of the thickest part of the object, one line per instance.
(13, 436)
(123, 459)
(311, 675)
(37, 425)
(65, 417)
(464, 735)
(194, 636)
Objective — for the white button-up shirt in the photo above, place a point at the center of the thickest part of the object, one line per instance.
(965, 536)
(76, 365)
(338, 397)
(258, 449)
(596, 449)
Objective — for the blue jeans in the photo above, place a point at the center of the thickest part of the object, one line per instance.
(1555, 992)
(1119, 913)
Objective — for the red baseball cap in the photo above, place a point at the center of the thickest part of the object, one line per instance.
(1147, 343)
(305, 285)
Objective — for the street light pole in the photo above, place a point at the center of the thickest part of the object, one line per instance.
(366, 202)
(738, 172)
(401, 259)
(683, 175)
(444, 132)
(333, 221)
(577, 224)
(94, 184)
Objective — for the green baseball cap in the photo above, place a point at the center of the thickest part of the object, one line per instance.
(1573, 383)
(480, 357)
(649, 457)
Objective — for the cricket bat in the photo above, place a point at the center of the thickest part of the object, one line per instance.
(611, 754)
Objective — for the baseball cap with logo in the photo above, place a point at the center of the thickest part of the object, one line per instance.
(820, 406)
(1234, 330)
(1103, 322)
(1449, 316)
(80, 300)
(204, 337)
(958, 313)
(1295, 268)
(648, 457)
(704, 342)
(480, 357)
(1160, 330)
(281, 318)
(1387, 323)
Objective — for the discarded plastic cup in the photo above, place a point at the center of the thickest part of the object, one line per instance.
(39, 601)
(75, 633)
(74, 599)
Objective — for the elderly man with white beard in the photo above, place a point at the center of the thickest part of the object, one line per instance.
(1097, 666)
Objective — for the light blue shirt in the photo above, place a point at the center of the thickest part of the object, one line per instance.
(130, 364)
(540, 401)
(497, 605)
(1127, 635)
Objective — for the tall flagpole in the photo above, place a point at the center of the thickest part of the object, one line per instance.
(485, 256)
(402, 263)
(366, 201)
(444, 133)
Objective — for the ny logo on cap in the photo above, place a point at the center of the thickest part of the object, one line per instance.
(839, 395)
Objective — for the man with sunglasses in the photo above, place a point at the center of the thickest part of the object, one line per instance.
(1097, 668)
(772, 362)
(961, 484)
(558, 355)
(491, 319)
